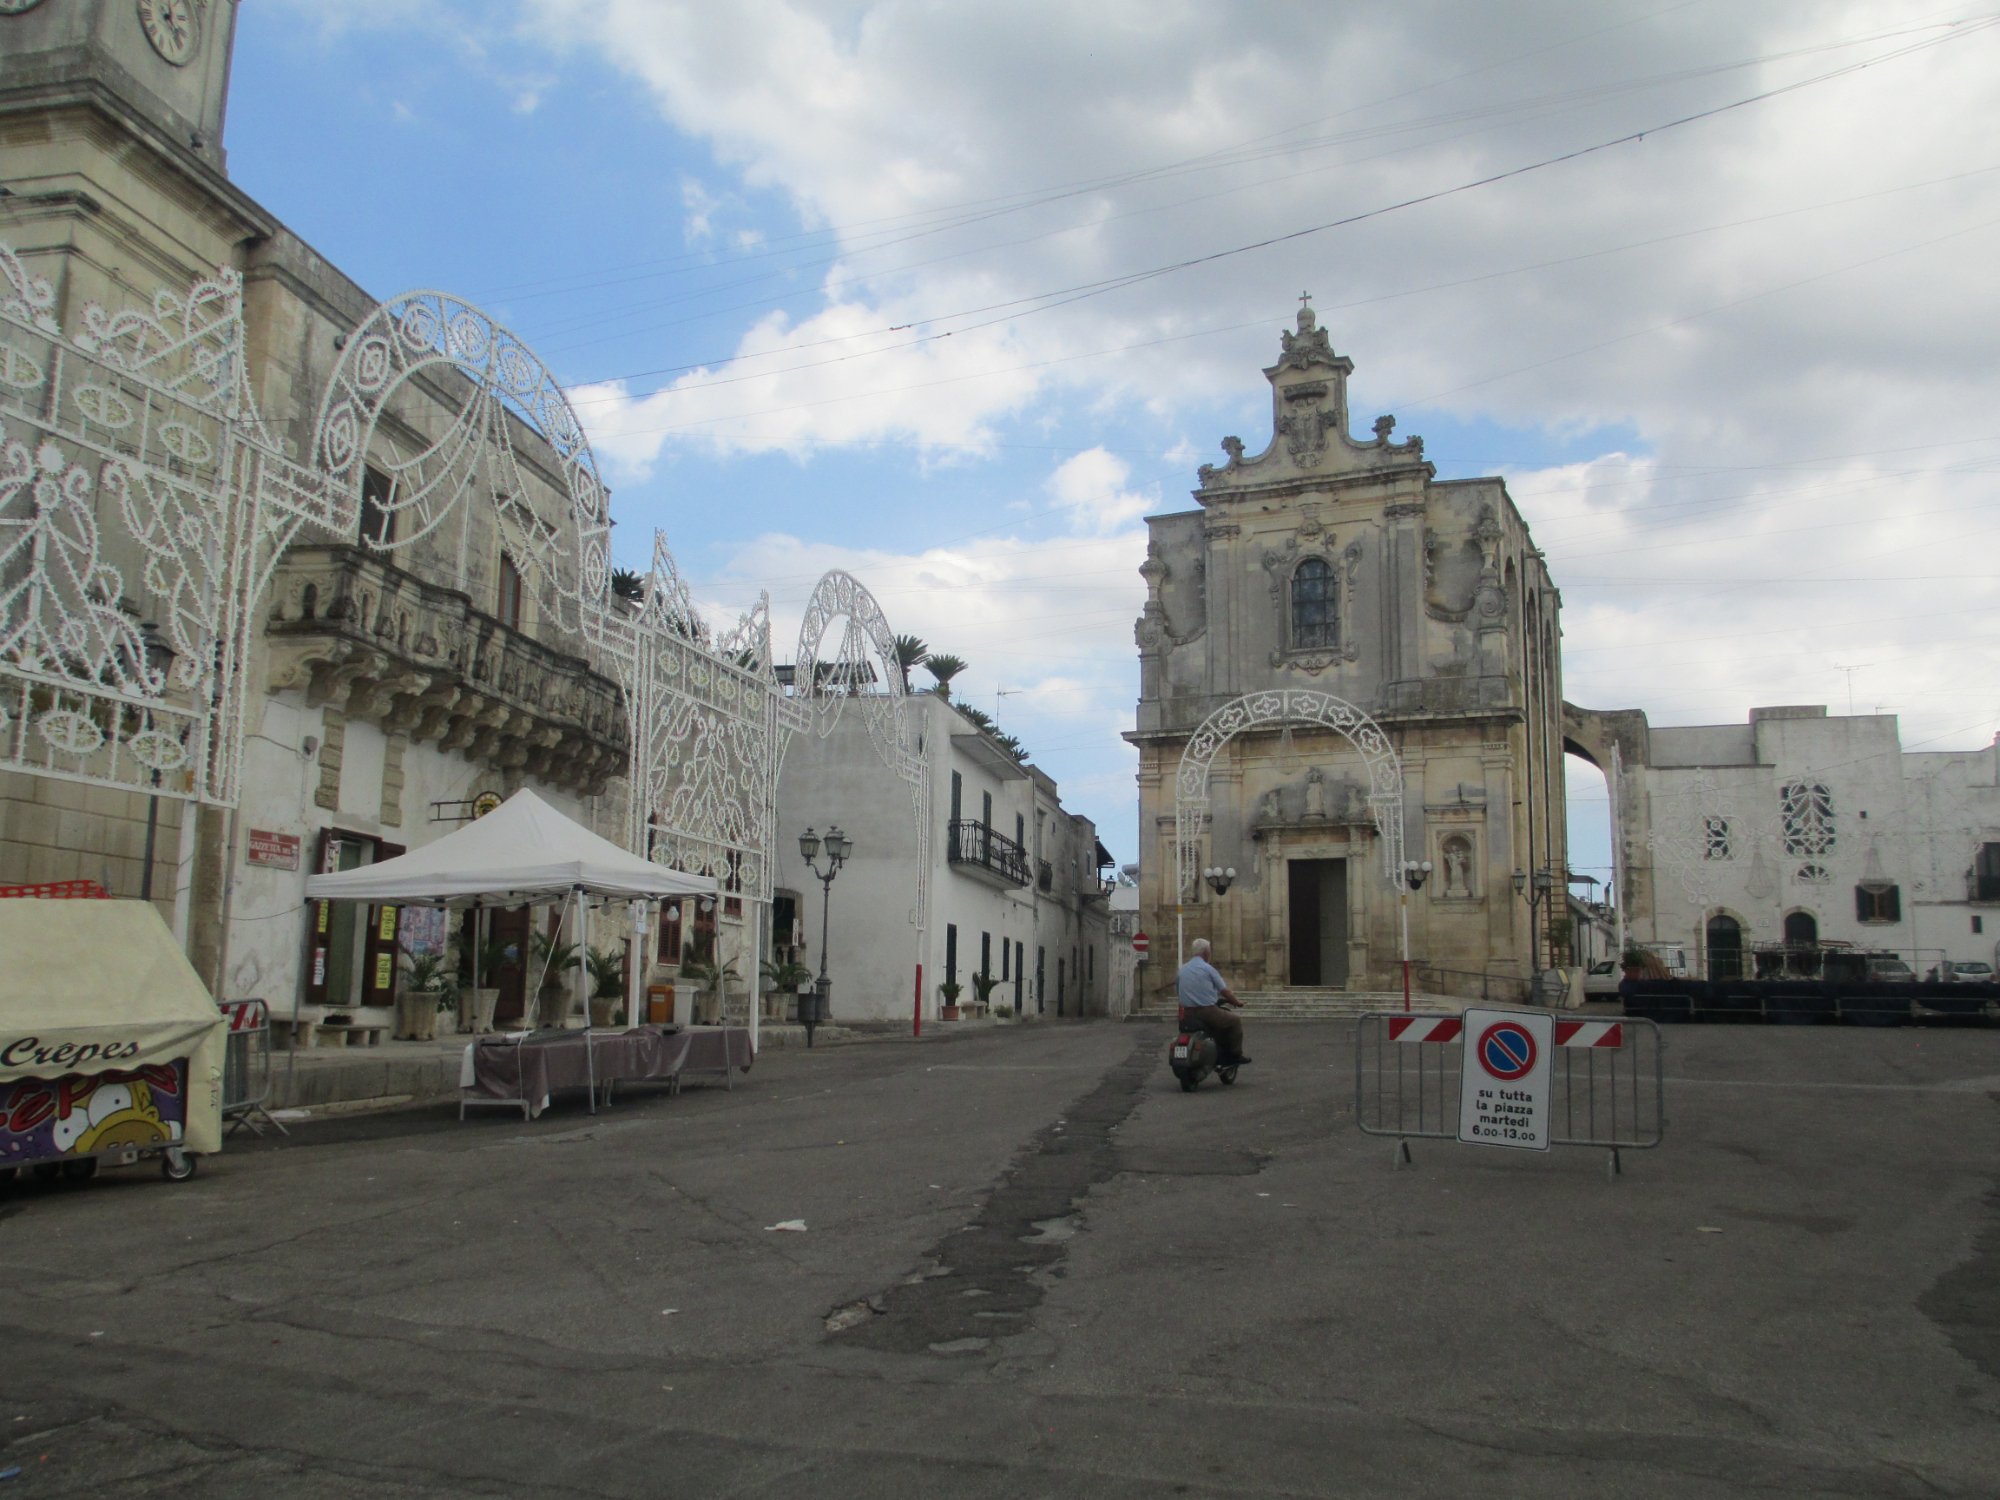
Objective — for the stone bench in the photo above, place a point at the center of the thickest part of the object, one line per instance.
(350, 1034)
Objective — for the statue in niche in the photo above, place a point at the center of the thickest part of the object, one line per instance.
(1271, 813)
(1457, 867)
(1315, 794)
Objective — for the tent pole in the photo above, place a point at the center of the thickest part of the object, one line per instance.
(635, 976)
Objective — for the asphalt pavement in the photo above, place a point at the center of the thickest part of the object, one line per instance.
(1021, 1262)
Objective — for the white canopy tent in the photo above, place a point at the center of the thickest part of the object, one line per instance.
(523, 853)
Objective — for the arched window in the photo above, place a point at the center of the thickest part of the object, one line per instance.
(1725, 947)
(1801, 929)
(1314, 622)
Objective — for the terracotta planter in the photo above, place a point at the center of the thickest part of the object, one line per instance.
(604, 1010)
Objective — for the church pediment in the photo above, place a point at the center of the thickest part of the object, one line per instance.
(1309, 420)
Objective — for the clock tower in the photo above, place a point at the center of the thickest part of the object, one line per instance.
(161, 64)
(111, 118)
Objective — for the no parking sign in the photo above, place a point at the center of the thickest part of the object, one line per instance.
(1503, 1093)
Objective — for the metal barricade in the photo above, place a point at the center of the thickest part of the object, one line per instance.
(246, 1066)
(1607, 1084)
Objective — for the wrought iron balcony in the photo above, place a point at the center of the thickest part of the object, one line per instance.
(977, 849)
(387, 647)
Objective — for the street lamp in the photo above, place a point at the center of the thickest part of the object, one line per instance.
(815, 1007)
(1219, 878)
(1414, 872)
(160, 657)
(1544, 882)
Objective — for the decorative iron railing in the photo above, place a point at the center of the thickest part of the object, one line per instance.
(973, 843)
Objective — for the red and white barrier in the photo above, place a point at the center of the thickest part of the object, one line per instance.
(1590, 1033)
(1425, 1028)
(243, 1015)
(1451, 1029)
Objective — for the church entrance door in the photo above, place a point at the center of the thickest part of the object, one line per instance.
(1318, 921)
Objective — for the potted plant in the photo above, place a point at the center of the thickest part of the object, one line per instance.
(607, 985)
(983, 986)
(553, 961)
(784, 977)
(476, 1004)
(427, 988)
(949, 992)
(711, 983)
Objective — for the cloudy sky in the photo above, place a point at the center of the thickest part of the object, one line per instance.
(951, 294)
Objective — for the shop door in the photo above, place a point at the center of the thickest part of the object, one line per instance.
(1318, 921)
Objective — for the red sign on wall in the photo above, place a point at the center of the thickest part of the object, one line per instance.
(278, 850)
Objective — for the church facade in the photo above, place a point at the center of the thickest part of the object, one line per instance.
(1348, 666)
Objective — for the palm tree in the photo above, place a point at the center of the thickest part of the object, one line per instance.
(628, 585)
(944, 668)
(910, 652)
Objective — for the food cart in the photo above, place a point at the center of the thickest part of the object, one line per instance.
(111, 1049)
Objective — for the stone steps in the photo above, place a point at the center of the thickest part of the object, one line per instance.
(1319, 1005)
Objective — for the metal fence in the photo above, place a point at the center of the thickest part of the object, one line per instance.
(246, 1066)
(1607, 1086)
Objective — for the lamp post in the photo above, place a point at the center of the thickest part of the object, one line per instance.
(1219, 878)
(1414, 873)
(815, 1008)
(1544, 882)
(160, 657)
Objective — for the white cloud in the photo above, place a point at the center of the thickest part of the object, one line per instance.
(1091, 487)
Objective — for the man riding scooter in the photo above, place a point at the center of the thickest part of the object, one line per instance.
(1203, 997)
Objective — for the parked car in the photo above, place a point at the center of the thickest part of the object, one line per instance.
(1600, 981)
(1970, 973)
(1893, 970)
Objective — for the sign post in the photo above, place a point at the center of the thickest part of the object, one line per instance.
(1503, 1092)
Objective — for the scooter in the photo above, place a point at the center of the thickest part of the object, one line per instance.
(1194, 1056)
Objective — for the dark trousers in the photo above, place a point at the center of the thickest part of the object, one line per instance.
(1221, 1024)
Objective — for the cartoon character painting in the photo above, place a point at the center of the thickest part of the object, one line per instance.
(88, 1114)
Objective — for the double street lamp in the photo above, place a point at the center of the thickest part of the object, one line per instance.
(1537, 891)
(815, 1007)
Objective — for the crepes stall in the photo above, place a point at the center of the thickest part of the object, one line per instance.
(111, 1048)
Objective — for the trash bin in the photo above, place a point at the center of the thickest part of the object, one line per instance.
(660, 1004)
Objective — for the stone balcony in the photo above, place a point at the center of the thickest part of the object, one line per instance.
(381, 645)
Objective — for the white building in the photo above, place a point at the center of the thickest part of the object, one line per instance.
(1802, 829)
(979, 871)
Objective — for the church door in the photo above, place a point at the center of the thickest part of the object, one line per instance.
(1318, 921)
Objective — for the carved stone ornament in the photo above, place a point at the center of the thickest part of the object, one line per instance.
(1233, 446)
(1304, 432)
(1309, 346)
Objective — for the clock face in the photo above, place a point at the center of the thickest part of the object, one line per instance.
(173, 27)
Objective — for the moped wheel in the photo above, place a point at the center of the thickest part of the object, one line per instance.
(1227, 1075)
(176, 1165)
(1188, 1085)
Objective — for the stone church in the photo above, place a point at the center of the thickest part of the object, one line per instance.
(1348, 667)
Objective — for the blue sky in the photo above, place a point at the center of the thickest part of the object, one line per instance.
(847, 283)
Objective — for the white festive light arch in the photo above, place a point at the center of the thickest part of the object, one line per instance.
(1297, 708)
(864, 676)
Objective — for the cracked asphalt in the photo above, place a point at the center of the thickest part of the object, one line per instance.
(1031, 1266)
